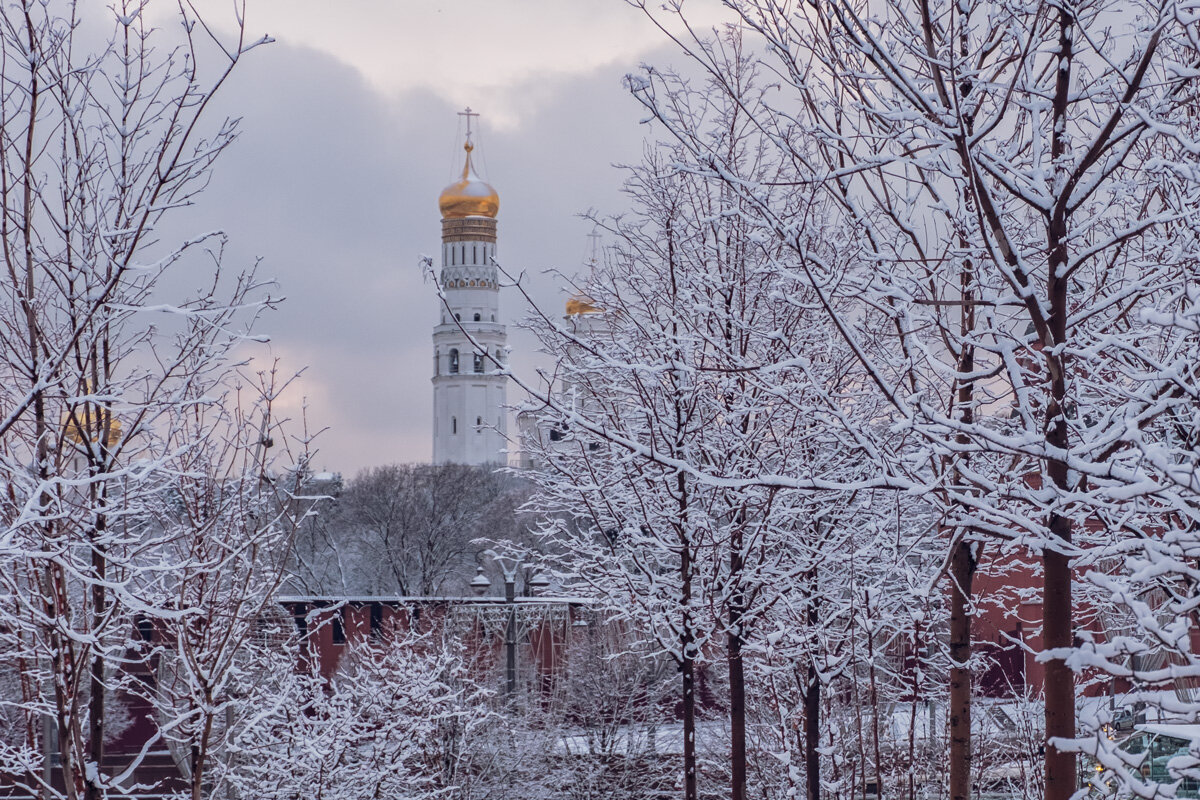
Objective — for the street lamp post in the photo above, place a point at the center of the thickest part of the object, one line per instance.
(480, 584)
(510, 634)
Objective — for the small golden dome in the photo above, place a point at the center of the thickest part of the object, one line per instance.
(83, 425)
(89, 419)
(582, 304)
(469, 197)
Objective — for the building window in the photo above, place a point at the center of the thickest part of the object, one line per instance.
(339, 628)
(454, 424)
(453, 360)
(555, 435)
(145, 628)
(478, 363)
(376, 620)
(477, 318)
(478, 424)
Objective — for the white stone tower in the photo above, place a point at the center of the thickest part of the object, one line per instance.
(469, 417)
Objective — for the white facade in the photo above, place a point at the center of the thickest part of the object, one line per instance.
(589, 323)
(469, 400)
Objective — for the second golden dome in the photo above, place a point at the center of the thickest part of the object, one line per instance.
(582, 304)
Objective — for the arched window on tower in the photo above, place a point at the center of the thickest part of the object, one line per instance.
(478, 424)
(478, 364)
(454, 425)
(453, 360)
(477, 317)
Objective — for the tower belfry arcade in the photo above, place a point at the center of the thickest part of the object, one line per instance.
(469, 417)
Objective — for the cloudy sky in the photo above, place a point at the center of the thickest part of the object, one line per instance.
(349, 134)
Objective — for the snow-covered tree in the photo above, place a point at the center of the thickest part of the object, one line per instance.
(1017, 194)
(700, 444)
(408, 529)
(140, 506)
(228, 523)
(398, 720)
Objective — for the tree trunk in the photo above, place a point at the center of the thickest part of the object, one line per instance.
(1059, 687)
(962, 566)
(962, 571)
(1058, 624)
(812, 734)
(196, 783)
(687, 636)
(873, 686)
(687, 640)
(812, 700)
(92, 789)
(1058, 634)
(96, 701)
(687, 666)
(737, 675)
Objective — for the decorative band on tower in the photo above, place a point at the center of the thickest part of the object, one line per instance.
(469, 229)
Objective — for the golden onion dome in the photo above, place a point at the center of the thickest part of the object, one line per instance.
(582, 304)
(89, 420)
(469, 197)
(83, 423)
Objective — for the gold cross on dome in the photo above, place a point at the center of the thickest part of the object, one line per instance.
(468, 113)
(595, 237)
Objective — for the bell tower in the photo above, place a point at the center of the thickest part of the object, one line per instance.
(469, 415)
